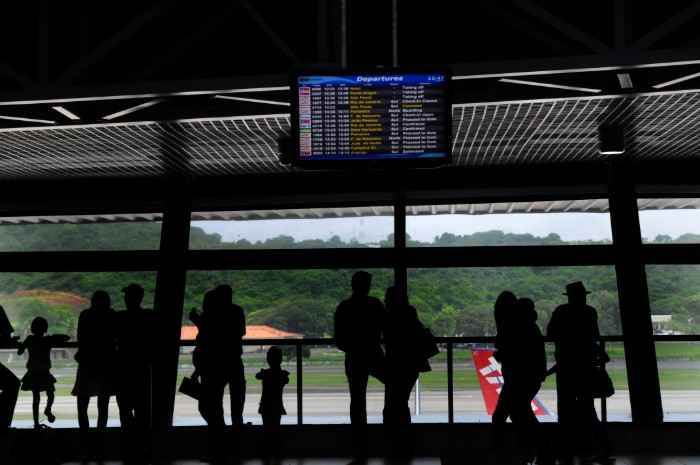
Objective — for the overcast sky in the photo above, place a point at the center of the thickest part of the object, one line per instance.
(570, 226)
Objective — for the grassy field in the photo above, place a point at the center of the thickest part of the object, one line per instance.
(323, 370)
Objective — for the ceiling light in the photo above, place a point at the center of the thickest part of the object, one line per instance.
(129, 110)
(625, 81)
(253, 100)
(612, 140)
(676, 81)
(551, 86)
(65, 112)
(28, 120)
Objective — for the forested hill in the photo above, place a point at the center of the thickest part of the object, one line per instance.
(451, 301)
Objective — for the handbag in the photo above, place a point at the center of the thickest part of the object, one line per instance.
(601, 385)
(429, 347)
(191, 388)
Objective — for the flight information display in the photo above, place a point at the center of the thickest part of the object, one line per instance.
(373, 117)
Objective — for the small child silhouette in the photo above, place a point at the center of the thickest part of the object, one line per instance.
(38, 377)
(273, 381)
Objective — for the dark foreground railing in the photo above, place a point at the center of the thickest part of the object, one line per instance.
(448, 343)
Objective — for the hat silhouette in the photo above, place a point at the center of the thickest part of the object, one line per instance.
(576, 288)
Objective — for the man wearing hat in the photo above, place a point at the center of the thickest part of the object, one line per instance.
(135, 334)
(574, 330)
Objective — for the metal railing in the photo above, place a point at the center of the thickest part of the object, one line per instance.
(449, 344)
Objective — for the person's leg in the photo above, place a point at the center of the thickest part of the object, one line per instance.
(9, 387)
(36, 398)
(48, 411)
(83, 420)
(520, 408)
(407, 385)
(499, 417)
(566, 413)
(102, 411)
(237, 389)
(358, 376)
(124, 405)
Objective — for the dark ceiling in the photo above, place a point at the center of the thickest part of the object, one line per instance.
(98, 58)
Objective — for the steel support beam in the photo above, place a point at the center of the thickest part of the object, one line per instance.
(168, 305)
(635, 313)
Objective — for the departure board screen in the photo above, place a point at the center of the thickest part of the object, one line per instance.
(373, 117)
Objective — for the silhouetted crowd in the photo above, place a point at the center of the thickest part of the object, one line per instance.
(385, 340)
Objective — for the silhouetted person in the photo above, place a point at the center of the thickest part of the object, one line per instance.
(234, 316)
(38, 378)
(503, 312)
(9, 383)
(574, 329)
(96, 358)
(273, 378)
(358, 326)
(405, 358)
(221, 328)
(135, 332)
(524, 364)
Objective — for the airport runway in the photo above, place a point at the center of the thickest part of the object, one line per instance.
(332, 407)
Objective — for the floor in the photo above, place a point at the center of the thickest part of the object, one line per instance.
(622, 460)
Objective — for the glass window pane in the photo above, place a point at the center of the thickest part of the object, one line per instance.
(186, 408)
(309, 228)
(513, 223)
(288, 304)
(470, 403)
(674, 297)
(459, 301)
(679, 378)
(60, 297)
(81, 232)
(674, 221)
(64, 368)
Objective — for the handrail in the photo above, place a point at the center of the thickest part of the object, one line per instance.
(449, 342)
(329, 341)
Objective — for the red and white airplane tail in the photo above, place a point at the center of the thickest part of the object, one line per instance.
(488, 370)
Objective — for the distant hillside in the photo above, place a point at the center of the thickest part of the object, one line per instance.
(451, 301)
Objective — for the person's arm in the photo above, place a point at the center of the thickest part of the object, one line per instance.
(260, 374)
(22, 346)
(241, 322)
(58, 339)
(196, 318)
(338, 328)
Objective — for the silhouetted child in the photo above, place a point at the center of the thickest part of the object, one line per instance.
(271, 408)
(38, 377)
(273, 382)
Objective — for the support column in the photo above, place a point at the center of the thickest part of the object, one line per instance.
(635, 311)
(168, 304)
(400, 271)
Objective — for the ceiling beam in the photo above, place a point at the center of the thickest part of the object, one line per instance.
(215, 21)
(43, 41)
(619, 23)
(569, 30)
(669, 26)
(100, 52)
(271, 34)
(611, 60)
(523, 26)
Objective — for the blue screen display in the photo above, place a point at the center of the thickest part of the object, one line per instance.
(373, 117)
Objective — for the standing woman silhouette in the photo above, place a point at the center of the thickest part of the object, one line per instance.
(96, 359)
(404, 356)
(503, 310)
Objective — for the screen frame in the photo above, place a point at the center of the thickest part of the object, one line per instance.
(385, 163)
